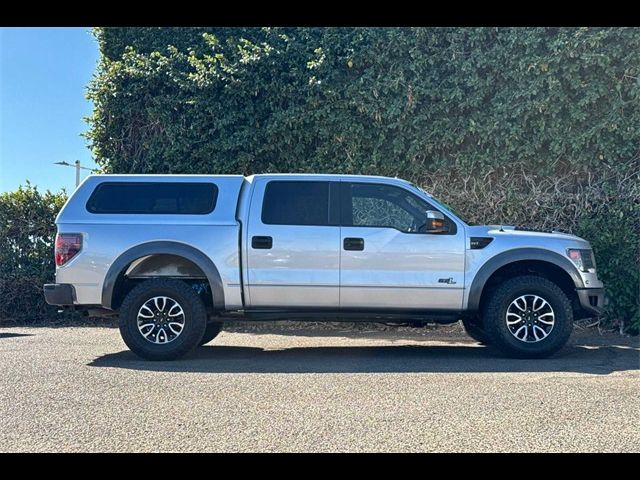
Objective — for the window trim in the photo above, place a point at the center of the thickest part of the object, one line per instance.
(333, 203)
(214, 202)
(343, 198)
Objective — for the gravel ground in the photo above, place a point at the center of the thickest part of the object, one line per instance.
(79, 389)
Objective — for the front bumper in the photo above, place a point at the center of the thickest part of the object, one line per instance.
(592, 300)
(61, 294)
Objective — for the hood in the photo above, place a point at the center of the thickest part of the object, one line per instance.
(511, 230)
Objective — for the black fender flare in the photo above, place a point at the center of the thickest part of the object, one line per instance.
(516, 255)
(164, 247)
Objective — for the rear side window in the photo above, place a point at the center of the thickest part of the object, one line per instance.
(296, 203)
(154, 198)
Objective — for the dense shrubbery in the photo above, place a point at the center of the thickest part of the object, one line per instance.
(366, 100)
(27, 232)
(535, 126)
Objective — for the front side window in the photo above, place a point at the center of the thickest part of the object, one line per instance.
(183, 198)
(380, 212)
(384, 206)
(296, 203)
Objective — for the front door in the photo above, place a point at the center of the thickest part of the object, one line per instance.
(293, 244)
(387, 262)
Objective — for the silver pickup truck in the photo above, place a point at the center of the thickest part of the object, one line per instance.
(177, 255)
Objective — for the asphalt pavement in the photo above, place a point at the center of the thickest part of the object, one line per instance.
(80, 389)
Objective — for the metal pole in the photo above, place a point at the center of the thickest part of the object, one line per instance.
(77, 173)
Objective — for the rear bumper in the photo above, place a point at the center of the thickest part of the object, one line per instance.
(592, 300)
(60, 294)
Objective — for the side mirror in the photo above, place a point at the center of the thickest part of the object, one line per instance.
(435, 223)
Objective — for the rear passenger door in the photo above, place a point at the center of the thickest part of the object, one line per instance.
(293, 244)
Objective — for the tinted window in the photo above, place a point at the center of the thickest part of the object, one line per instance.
(376, 205)
(154, 198)
(296, 203)
(380, 212)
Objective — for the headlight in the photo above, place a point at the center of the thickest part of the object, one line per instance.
(582, 258)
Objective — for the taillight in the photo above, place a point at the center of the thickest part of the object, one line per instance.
(67, 246)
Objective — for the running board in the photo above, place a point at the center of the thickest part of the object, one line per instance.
(339, 316)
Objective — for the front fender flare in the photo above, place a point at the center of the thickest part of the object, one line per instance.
(516, 255)
(164, 247)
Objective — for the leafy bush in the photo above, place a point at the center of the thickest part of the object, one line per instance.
(27, 233)
(390, 101)
(615, 237)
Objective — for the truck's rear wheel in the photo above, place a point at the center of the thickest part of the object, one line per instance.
(528, 317)
(211, 332)
(162, 319)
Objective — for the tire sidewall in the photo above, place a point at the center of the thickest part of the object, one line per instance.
(496, 318)
(212, 331)
(194, 313)
(473, 330)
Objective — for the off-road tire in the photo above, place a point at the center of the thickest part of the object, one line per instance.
(211, 332)
(472, 329)
(195, 319)
(495, 310)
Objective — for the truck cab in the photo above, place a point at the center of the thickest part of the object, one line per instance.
(175, 256)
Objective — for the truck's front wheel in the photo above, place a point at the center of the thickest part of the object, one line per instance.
(212, 331)
(162, 319)
(473, 329)
(528, 317)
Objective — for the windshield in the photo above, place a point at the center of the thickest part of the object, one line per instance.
(447, 207)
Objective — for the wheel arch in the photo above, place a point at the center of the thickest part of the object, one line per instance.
(192, 254)
(520, 256)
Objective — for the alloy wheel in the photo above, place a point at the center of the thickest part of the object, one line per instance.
(161, 320)
(530, 318)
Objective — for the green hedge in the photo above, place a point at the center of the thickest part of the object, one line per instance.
(27, 234)
(365, 100)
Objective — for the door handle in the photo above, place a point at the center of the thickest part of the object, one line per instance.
(351, 243)
(261, 243)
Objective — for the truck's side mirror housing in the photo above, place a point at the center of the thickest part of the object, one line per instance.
(435, 223)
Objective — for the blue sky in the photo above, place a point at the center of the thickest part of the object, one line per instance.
(43, 77)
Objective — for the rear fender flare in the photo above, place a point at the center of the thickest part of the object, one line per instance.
(164, 247)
